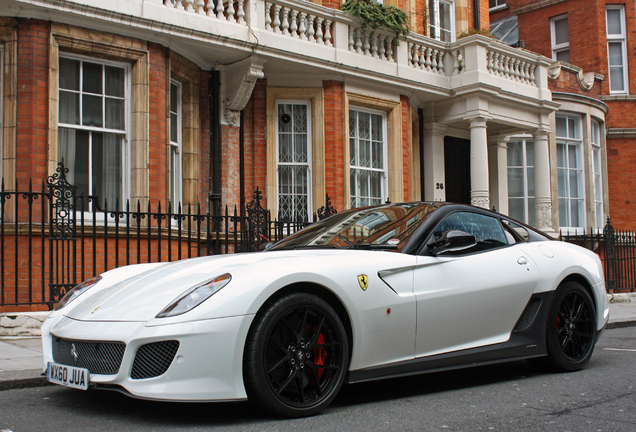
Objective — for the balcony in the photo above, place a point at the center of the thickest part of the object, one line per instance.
(298, 37)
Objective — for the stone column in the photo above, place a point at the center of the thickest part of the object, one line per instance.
(434, 173)
(498, 158)
(543, 198)
(479, 185)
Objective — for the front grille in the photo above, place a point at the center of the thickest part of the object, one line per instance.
(154, 359)
(102, 358)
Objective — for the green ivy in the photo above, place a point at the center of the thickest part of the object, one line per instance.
(374, 15)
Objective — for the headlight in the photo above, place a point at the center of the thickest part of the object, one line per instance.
(77, 291)
(195, 296)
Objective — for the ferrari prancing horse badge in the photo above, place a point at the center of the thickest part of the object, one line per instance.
(363, 280)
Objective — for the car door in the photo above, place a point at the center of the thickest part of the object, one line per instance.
(472, 297)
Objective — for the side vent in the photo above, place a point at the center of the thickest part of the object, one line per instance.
(529, 314)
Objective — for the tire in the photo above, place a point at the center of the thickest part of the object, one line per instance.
(296, 356)
(571, 330)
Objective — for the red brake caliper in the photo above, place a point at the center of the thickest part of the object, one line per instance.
(319, 355)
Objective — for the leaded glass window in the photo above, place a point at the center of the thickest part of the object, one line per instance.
(92, 126)
(367, 157)
(294, 159)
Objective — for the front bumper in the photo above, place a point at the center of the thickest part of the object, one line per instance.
(207, 366)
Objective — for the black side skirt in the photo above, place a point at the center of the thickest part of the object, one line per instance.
(526, 341)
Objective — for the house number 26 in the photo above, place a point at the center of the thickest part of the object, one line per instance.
(440, 186)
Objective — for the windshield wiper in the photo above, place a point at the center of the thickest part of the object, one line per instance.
(375, 246)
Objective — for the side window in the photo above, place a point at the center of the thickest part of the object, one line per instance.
(486, 229)
(515, 232)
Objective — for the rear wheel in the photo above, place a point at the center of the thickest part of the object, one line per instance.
(296, 356)
(571, 329)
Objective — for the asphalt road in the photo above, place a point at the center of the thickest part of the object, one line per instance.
(509, 397)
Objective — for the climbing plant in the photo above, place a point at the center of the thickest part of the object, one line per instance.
(374, 15)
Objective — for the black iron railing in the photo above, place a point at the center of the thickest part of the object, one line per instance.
(55, 238)
(617, 249)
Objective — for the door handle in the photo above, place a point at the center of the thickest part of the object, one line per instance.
(522, 261)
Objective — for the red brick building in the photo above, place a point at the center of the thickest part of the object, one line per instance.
(591, 41)
(202, 102)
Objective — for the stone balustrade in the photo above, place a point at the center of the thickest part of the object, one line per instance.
(512, 68)
(298, 22)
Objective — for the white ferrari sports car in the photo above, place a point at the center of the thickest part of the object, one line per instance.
(370, 293)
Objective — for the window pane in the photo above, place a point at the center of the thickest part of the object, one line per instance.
(115, 110)
(530, 153)
(563, 183)
(561, 148)
(615, 53)
(73, 150)
(174, 133)
(174, 98)
(614, 22)
(91, 110)
(284, 118)
(285, 148)
(378, 155)
(445, 15)
(571, 128)
(515, 182)
(515, 153)
(353, 153)
(561, 127)
(300, 118)
(69, 108)
(516, 208)
(564, 212)
(617, 79)
(69, 74)
(561, 31)
(107, 163)
(563, 56)
(92, 78)
(300, 148)
(114, 81)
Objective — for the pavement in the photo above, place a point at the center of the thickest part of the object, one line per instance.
(21, 363)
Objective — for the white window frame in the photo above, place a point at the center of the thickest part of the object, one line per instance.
(499, 4)
(621, 39)
(561, 47)
(572, 140)
(125, 187)
(383, 170)
(434, 20)
(597, 174)
(309, 161)
(176, 147)
(528, 200)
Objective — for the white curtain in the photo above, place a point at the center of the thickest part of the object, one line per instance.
(66, 151)
(111, 160)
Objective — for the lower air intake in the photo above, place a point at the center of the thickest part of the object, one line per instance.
(154, 359)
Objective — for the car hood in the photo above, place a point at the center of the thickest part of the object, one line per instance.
(139, 293)
(142, 296)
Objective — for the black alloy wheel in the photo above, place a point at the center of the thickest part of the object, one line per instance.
(296, 356)
(571, 329)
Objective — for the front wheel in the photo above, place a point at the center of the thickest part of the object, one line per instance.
(571, 329)
(296, 356)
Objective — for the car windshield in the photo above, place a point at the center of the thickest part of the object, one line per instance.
(386, 227)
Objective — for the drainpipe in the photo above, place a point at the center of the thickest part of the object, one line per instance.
(214, 90)
(420, 117)
(476, 5)
(242, 160)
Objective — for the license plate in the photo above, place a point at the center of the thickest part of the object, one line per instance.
(68, 376)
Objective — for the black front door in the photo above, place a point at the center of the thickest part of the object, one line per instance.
(457, 167)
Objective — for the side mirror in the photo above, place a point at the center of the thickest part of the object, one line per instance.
(267, 246)
(452, 240)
